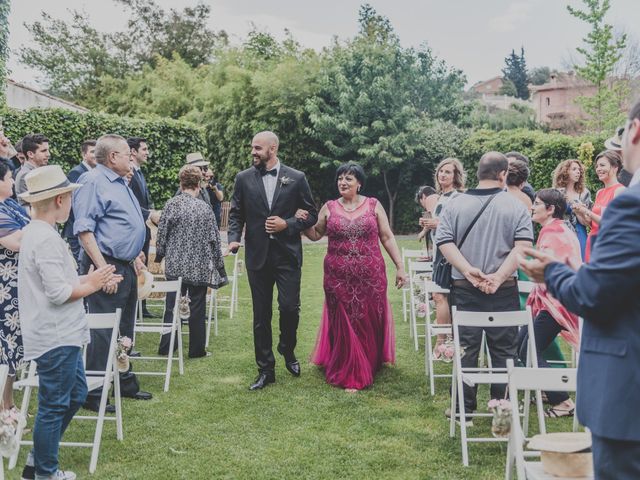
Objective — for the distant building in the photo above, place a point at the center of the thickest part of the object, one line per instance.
(22, 97)
(555, 101)
(488, 87)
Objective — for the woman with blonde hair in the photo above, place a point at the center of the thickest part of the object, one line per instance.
(449, 179)
(569, 178)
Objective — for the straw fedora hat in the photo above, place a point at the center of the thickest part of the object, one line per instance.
(565, 454)
(145, 284)
(196, 159)
(615, 142)
(46, 182)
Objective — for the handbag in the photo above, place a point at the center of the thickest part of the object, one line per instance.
(441, 267)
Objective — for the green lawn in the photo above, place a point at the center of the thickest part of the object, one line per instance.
(210, 426)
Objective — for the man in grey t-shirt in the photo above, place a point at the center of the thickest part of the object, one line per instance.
(484, 268)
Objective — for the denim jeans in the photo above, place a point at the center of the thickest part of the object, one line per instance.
(62, 391)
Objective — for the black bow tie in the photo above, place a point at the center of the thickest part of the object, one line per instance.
(273, 172)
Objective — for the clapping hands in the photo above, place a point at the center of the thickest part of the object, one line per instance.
(103, 278)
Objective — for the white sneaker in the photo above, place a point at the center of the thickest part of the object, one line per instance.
(61, 475)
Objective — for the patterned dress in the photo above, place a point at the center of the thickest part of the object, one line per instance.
(12, 218)
(356, 333)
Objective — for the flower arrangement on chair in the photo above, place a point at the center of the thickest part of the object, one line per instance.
(122, 353)
(501, 422)
(10, 421)
(444, 351)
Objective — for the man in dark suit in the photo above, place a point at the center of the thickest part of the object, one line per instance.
(140, 156)
(265, 199)
(88, 162)
(605, 293)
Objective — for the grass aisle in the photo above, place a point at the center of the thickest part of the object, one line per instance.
(210, 426)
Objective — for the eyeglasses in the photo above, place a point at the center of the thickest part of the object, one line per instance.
(204, 168)
(537, 203)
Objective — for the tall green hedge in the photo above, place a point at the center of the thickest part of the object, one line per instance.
(169, 140)
(545, 151)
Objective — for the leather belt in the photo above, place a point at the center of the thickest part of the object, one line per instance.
(510, 282)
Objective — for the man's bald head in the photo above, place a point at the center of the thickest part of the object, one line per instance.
(491, 165)
(264, 148)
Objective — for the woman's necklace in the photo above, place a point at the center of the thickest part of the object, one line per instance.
(351, 208)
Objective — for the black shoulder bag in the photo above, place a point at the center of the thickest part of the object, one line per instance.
(441, 267)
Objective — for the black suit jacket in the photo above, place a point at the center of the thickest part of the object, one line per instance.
(142, 194)
(73, 176)
(250, 208)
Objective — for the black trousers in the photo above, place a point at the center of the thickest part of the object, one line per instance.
(126, 298)
(281, 269)
(500, 340)
(197, 320)
(615, 459)
(145, 250)
(545, 329)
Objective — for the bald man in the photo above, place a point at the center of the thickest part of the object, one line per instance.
(265, 200)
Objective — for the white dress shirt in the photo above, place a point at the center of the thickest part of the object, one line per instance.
(270, 182)
(46, 277)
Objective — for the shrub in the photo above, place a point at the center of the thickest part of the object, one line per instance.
(169, 140)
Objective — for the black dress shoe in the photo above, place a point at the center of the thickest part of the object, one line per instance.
(291, 363)
(148, 314)
(262, 381)
(94, 406)
(293, 367)
(134, 354)
(140, 395)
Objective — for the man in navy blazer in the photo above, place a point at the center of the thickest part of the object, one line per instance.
(606, 293)
(88, 162)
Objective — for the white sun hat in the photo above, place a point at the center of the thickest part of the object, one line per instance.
(46, 182)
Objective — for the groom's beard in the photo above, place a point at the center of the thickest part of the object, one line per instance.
(260, 164)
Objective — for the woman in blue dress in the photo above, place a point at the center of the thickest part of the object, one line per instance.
(569, 178)
(12, 219)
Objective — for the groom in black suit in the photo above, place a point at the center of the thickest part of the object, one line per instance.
(265, 200)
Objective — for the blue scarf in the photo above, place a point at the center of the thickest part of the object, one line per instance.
(13, 217)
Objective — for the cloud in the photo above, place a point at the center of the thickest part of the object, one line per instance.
(508, 21)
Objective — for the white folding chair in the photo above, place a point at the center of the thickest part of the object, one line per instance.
(416, 268)
(95, 379)
(407, 254)
(486, 375)
(526, 379)
(174, 329)
(432, 330)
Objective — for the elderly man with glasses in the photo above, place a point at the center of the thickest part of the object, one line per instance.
(110, 226)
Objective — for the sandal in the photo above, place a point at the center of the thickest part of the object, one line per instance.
(438, 351)
(553, 412)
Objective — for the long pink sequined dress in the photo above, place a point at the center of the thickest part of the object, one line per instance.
(356, 332)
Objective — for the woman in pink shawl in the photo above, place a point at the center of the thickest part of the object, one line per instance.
(550, 317)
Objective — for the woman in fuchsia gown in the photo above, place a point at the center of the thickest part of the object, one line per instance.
(356, 335)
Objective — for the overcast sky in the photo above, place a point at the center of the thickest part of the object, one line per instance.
(472, 35)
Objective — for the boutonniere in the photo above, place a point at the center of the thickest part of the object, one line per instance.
(285, 180)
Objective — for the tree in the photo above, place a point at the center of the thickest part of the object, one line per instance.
(5, 7)
(73, 56)
(601, 52)
(516, 70)
(508, 88)
(377, 104)
(539, 75)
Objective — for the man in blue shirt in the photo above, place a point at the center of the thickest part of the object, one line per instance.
(110, 226)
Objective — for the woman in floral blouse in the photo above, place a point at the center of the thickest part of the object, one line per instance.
(12, 219)
(189, 241)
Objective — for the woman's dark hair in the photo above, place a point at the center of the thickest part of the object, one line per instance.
(555, 198)
(4, 168)
(354, 169)
(425, 191)
(614, 158)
